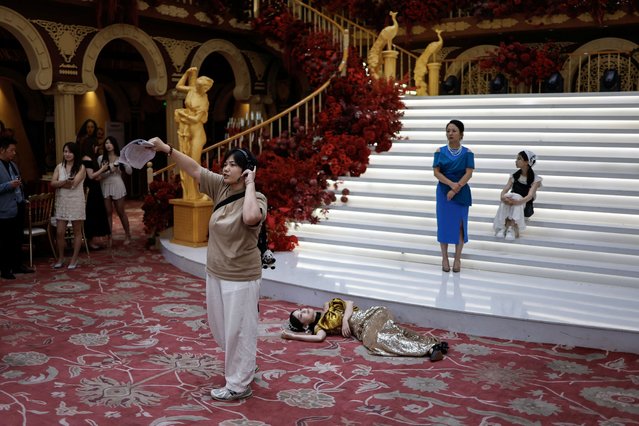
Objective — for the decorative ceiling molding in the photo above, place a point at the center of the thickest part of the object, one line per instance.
(178, 50)
(66, 37)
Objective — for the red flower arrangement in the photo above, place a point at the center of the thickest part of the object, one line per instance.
(359, 115)
(365, 107)
(314, 53)
(317, 55)
(276, 23)
(522, 63)
(158, 214)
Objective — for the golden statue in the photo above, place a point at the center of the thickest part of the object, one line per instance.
(421, 64)
(385, 38)
(190, 121)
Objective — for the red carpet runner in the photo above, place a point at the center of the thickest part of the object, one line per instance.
(124, 341)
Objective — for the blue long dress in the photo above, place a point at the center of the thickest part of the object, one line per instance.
(451, 213)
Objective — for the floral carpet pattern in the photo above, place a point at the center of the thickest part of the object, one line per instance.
(124, 340)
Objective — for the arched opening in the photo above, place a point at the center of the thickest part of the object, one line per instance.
(121, 102)
(23, 110)
(221, 100)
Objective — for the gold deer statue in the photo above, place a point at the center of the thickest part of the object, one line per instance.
(385, 39)
(421, 65)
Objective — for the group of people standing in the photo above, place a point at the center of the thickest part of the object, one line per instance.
(453, 166)
(89, 186)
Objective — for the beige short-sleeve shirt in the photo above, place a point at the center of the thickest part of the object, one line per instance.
(232, 248)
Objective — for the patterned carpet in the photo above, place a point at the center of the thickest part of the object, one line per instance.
(123, 340)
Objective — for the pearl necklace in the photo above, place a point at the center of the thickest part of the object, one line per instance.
(455, 151)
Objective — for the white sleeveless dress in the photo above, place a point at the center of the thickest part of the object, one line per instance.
(69, 203)
(112, 184)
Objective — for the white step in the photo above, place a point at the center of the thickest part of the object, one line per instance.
(529, 124)
(517, 139)
(629, 112)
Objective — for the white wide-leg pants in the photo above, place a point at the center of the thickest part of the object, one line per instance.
(506, 211)
(233, 317)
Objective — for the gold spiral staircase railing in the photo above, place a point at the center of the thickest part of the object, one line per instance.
(362, 38)
(305, 110)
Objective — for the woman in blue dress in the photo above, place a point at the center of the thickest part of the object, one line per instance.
(453, 167)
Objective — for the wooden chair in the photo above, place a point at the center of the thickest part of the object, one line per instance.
(39, 208)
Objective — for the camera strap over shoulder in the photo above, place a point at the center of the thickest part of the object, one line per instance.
(268, 260)
(229, 199)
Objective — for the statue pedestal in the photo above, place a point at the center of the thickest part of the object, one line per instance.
(390, 63)
(433, 78)
(191, 221)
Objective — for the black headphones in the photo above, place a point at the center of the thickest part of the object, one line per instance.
(249, 162)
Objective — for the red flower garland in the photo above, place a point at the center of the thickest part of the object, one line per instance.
(524, 64)
(158, 214)
(359, 115)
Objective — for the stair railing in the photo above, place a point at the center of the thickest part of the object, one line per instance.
(363, 38)
(306, 110)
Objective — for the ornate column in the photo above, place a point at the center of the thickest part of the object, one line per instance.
(390, 63)
(433, 78)
(64, 113)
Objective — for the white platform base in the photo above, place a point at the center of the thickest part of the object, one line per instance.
(476, 302)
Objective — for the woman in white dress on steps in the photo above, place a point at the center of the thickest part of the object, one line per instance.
(516, 199)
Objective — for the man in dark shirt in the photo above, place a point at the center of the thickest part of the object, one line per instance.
(12, 205)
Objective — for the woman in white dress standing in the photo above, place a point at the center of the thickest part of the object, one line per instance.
(516, 199)
(112, 185)
(68, 179)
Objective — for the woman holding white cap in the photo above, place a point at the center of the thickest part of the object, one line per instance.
(113, 188)
(517, 198)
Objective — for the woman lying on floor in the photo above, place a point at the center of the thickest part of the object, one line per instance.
(374, 327)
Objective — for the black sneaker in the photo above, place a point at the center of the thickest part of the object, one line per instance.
(23, 270)
(8, 276)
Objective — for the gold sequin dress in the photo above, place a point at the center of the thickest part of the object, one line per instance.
(377, 330)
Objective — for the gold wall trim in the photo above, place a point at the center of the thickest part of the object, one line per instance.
(41, 75)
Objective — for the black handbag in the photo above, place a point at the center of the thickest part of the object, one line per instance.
(528, 209)
(521, 189)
